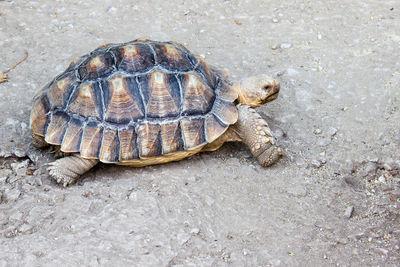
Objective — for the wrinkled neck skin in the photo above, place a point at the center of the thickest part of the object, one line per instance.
(248, 100)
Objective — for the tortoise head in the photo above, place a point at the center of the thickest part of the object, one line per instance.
(258, 90)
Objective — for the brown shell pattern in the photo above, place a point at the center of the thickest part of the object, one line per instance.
(134, 100)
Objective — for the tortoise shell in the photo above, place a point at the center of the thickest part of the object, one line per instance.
(132, 101)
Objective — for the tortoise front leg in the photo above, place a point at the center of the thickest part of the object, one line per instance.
(255, 133)
(67, 170)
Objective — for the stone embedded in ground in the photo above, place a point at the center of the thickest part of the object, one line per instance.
(11, 195)
(349, 212)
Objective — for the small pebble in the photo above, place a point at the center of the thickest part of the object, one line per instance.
(111, 9)
(300, 162)
(317, 131)
(370, 169)
(19, 165)
(382, 251)
(332, 131)
(30, 171)
(13, 179)
(209, 200)
(11, 195)
(23, 125)
(342, 241)
(19, 153)
(349, 212)
(387, 167)
(275, 262)
(375, 159)
(4, 174)
(316, 163)
(191, 179)
(24, 228)
(286, 45)
(34, 180)
(195, 231)
(324, 141)
(274, 47)
(356, 236)
(275, 20)
(382, 179)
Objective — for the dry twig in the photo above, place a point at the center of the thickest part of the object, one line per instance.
(4, 76)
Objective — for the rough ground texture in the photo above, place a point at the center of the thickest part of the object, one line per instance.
(333, 200)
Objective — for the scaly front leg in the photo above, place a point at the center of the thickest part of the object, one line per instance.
(255, 133)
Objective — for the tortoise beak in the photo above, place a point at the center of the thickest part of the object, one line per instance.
(272, 90)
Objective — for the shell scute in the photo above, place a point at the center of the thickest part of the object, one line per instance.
(214, 128)
(127, 141)
(73, 135)
(97, 66)
(198, 97)
(161, 94)
(171, 57)
(86, 101)
(171, 137)
(57, 127)
(91, 140)
(226, 112)
(61, 89)
(39, 115)
(148, 139)
(122, 101)
(134, 58)
(207, 73)
(192, 132)
(109, 151)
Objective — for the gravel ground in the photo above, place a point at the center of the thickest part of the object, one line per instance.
(332, 200)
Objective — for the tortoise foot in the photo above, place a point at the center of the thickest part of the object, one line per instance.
(67, 170)
(270, 156)
(256, 134)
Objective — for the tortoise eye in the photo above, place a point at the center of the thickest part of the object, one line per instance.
(266, 87)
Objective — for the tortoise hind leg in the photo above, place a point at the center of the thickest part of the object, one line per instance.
(255, 133)
(38, 141)
(67, 170)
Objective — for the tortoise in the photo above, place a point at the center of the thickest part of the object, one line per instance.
(147, 102)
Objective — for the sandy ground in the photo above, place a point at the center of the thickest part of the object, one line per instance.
(333, 200)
